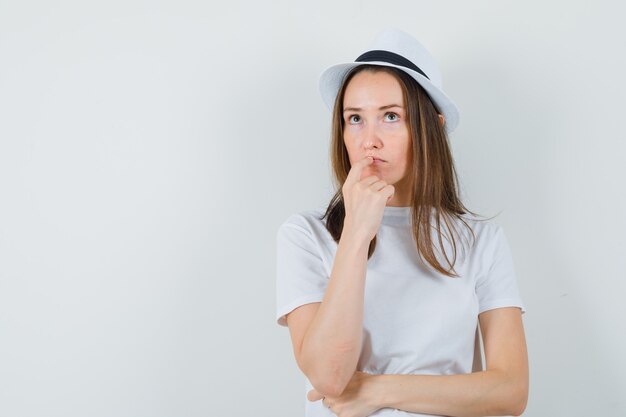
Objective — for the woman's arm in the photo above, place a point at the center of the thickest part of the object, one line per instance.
(502, 389)
(332, 343)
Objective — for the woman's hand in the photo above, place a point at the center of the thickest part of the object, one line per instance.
(357, 400)
(364, 200)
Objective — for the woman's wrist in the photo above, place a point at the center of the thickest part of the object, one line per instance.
(377, 387)
(355, 234)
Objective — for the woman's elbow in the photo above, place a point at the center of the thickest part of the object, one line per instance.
(511, 400)
(329, 381)
(331, 377)
(327, 388)
(519, 398)
(519, 407)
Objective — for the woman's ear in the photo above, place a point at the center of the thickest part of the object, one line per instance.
(442, 119)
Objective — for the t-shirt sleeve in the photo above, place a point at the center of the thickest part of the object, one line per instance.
(496, 285)
(301, 277)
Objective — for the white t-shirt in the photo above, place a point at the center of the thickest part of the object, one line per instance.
(415, 319)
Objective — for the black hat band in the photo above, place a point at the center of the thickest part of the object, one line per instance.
(390, 57)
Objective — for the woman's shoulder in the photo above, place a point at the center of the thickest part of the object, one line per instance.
(486, 231)
(480, 224)
(308, 220)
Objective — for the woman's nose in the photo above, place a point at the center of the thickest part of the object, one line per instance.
(371, 135)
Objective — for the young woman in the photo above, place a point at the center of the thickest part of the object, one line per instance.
(384, 291)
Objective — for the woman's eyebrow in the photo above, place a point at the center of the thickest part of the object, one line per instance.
(381, 108)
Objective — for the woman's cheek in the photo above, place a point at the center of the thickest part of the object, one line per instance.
(395, 126)
(350, 131)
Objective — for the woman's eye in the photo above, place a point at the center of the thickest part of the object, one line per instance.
(394, 115)
(351, 117)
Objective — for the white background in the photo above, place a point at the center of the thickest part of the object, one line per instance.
(149, 151)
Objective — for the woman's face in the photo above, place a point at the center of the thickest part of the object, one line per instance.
(375, 124)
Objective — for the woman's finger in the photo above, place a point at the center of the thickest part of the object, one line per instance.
(313, 395)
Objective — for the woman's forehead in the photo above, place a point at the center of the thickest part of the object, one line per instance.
(372, 91)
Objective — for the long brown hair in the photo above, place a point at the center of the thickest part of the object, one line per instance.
(434, 178)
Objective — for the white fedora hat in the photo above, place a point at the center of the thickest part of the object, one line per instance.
(395, 48)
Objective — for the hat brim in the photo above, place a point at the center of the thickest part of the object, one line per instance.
(331, 79)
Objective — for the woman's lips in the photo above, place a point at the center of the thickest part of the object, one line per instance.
(375, 158)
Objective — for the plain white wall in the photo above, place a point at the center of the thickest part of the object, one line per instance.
(149, 151)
